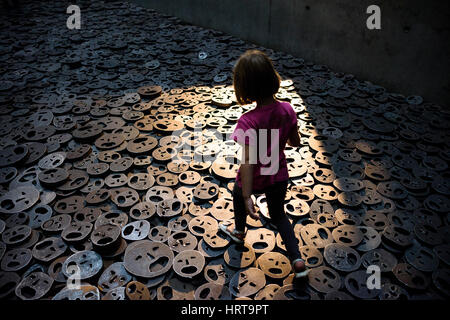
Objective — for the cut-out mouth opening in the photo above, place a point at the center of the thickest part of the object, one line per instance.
(44, 245)
(159, 264)
(41, 210)
(322, 219)
(179, 236)
(345, 240)
(104, 195)
(176, 205)
(128, 230)
(112, 215)
(348, 221)
(28, 292)
(155, 199)
(198, 229)
(9, 175)
(260, 245)
(136, 213)
(322, 233)
(89, 295)
(77, 182)
(167, 292)
(7, 204)
(275, 271)
(189, 269)
(154, 232)
(353, 284)
(377, 175)
(132, 288)
(405, 232)
(74, 235)
(183, 223)
(312, 261)
(13, 264)
(105, 240)
(16, 238)
(204, 293)
(212, 274)
(352, 259)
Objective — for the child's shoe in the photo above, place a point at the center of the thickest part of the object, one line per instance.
(299, 268)
(237, 236)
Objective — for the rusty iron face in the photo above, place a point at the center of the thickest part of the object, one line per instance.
(380, 257)
(261, 240)
(159, 234)
(175, 289)
(212, 291)
(136, 290)
(115, 294)
(148, 259)
(198, 226)
(342, 257)
(113, 277)
(85, 264)
(34, 286)
(16, 259)
(239, 256)
(49, 249)
(324, 279)
(76, 231)
(274, 265)
(137, 230)
(356, 283)
(85, 292)
(106, 238)
(18, 199)
(247, 282)
(410, 276)
(8, 283)
(217, 271)
(292, 292)
(182, 240)
(188, 263)
(16, 235)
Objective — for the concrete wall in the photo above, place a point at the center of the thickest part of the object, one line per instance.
(409, 55)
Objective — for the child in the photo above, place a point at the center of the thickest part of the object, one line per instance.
(255, 80)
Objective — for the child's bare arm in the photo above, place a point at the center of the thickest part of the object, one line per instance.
(294, 138)
(246, 171)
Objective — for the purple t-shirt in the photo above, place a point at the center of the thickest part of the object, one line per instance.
(267, 128)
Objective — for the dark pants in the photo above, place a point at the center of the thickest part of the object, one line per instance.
(275, 195)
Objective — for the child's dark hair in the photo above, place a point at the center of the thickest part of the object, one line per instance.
(254, 77)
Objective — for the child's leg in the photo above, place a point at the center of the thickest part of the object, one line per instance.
(275, 195)
(240, 215)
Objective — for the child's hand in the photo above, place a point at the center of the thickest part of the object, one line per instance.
(250, 208)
